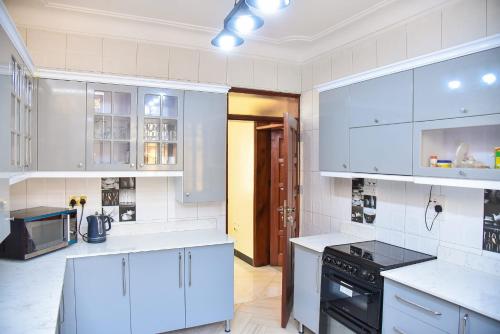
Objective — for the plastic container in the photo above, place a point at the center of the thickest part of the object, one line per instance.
(444, 164)
(497, 157)
(433, 159)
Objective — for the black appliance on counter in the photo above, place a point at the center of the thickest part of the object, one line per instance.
(38, 231)
(352, 287)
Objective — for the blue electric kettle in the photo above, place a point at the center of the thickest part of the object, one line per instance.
(96, 228)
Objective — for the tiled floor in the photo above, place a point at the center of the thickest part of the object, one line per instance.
(257, 297)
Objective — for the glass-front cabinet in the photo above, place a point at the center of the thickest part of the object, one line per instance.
(111, 127)
(160, 127)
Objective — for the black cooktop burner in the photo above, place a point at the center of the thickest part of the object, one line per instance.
(380, 254)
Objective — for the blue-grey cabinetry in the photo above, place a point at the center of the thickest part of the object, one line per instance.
(384, 149)
(67, 311)
(157, 291)
(205, 120)
(472, 323)
(209, 284)
(307, 287)
(464, 86)
(334, 130)
(102, 294)
(384, 100)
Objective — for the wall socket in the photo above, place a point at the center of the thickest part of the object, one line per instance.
(77, 199)
(436, 199)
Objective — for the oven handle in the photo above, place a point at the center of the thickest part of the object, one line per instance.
(339, 280)
(330, 312)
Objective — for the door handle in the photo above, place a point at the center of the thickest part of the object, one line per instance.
(318, 273)
(398, 331)
(423, 308)
(464, 320)
(180, 270)
(124, 281)
(190, 268)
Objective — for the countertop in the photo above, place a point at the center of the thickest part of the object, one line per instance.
(30, 291)
(472, 289)
(318, 243)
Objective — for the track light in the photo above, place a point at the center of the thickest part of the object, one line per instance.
(226, 40)
(268, 6)
(241, 20)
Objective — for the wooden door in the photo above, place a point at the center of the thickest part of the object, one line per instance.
(278, 195)
(289, 211)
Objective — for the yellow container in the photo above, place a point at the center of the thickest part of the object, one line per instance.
(497, 157)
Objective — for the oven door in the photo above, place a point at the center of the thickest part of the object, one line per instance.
(46, 235)
(333, 322)
(351, 299)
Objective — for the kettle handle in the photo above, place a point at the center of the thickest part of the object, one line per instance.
(108, 219)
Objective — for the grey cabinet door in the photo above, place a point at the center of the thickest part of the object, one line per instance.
(102, 294)
(4, 208)
(159, 130)
(384, 100)
(209, 284)
(157, 291)
(334, 130)
(67, 316)
(472, 323)
(385, 149)
(61, 125)
(464, 86)
(307, 287)
(111, 127)
(205, 122)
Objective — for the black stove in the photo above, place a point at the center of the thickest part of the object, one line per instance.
(352, 286)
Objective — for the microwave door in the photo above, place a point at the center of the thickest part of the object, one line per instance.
(44, 236)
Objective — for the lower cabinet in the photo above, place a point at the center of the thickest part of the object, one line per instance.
(307, 287)
(102, 294)
(67, 311)
(157, 291)
(472, 323)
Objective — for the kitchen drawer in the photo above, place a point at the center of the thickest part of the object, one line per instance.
(431, 310)
(385, 149)
(397, 322)
(384, 100)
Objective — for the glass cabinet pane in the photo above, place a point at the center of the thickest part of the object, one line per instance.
(12, 148)
(102, 102)
(169, 154)
(121, 152)
(102, 152)
(169, 130)
(169, 106)
(152, 105)
(13, 112)
(102, 127)
(151, 129)
(151, 153)
(121, 128)
(121, 103)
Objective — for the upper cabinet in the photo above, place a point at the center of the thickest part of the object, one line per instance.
(61, 125)
(111, 127)
(160, 128)
(384, 100)
(205, 121)
(465, 86)
(334, 130)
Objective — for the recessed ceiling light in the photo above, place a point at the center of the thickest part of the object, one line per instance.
(454, 84)
(489, 78)
(268, 6)
(226, 40)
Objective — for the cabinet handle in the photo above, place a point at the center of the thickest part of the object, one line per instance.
(463, 110)
(132, 165)
(189, 254)
(376, 120)
(375, 169)
(344, 165)
(397, 330)
(124, 281)
(464, 321)
(318, 273)
(461, 173)
(63, 307)
(188, 194)
(142, 165)
(180, 270)
(423, 308)
(80, 165)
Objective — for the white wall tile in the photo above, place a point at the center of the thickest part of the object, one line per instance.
(153, 60)
(306, 77)
(119, 56)
(424, 34)
(307, 192)
(306, 115)
(417, 197)
(239, 71)
(391, 201)
(84, 53)
(48, 49)
(147, 189)
(178, 210)
(315, 151)
(307, 142)
(184, 64)
(265, 74)
(211, 209)
(342, 63)
(315, 109)
(493, 15)
(18, 196)
(391, 46)
(289, 78)
(390, 236)
(322, 70)
(420, 244)
(213, 67)
(364, 56)
(463, 22)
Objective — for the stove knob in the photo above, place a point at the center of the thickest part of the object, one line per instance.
(354, 270)
(349, 267)
(338, 263)
(371, 277)
(344, 266)
(328, 259)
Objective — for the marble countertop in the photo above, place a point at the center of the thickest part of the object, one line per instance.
(318, 243)
(472, 289)
(30, 291)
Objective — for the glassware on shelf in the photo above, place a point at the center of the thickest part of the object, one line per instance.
(102, 102)
(122, 103)
(121, 128)
(102, 127)
(151, 153)
(151, 129)
(102, 152)
(169, 154)
(169, 106)
(169, 130)
(121, 153)
(152, 105)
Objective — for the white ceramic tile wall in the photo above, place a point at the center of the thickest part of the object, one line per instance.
(265, 74)
(424, 34)
(118, 56)
(183, 64)
(84, 53)
(213, 67)
(48, 49)
(153, 60)
(155, 201)
(464, 21)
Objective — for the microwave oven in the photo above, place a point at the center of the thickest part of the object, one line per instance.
(37, 231)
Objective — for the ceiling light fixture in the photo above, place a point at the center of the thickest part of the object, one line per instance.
(242, 20)
(454, 84)
(268, 6)
(489, 78)
(226, 40)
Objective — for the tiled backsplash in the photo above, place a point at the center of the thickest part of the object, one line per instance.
(155, 200)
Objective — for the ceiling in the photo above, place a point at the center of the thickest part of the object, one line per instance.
(304, 20)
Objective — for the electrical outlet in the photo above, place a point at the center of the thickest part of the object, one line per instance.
(84, 197)
(75, 198)
(436, 199)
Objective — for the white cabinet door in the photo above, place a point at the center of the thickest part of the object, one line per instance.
(67, 316)
(157, 291)
(209, 284)
(102, 294)
(307, 287)
(472, 323)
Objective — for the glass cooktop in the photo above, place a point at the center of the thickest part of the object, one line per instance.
(381, 254)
